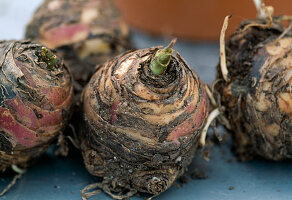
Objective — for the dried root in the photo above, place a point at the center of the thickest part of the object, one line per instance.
(224, 69)
(75, 141)
(258, 94)
(216, 113)
(211, 96)
(19, 174)
(85, 193)
(213, 115)
(63, 149)
(288, 29)
(223, 120)
(89, 191)
(264, 12)
(62, 144)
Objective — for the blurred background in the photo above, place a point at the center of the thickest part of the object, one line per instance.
(192, 19)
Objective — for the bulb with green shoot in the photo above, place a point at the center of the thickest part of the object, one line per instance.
(145, 112)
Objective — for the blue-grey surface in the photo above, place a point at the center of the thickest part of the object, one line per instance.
(63, 178)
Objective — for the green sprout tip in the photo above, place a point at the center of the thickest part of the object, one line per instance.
(161, 59)
(48, 57)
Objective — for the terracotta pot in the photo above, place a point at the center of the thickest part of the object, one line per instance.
(191, 19)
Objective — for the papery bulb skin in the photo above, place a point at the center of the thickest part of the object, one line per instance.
(85, 33)
(36, 94)
(258, 97)
(142, 129)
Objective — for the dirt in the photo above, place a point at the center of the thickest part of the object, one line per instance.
(245, 98)
(141, 158)
(26, 102)
(231, 188)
